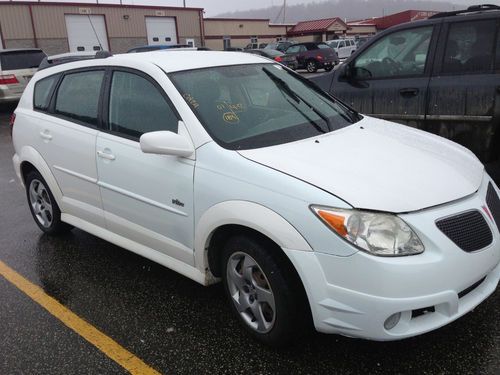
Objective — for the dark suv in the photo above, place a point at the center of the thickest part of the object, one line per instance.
(441, 75)
(313, 56)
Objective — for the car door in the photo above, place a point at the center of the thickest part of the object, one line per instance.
(67, 130)
(298, 50)
(389, 79)
(464, 103)
(146, 198)
(342, 50)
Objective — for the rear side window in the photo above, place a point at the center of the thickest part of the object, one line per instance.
(136, 106)
(469, 47)
(43, 89)
(20, 60)
(78, 96)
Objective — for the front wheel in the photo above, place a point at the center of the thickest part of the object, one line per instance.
(312, 67)
(263, 293)
(43, 206)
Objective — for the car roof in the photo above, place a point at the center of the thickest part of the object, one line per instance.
(172, 61)
(72, 54)
(20, 50)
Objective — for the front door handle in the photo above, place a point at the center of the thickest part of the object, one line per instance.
(46, 135)
(409, 92)
(106, 155)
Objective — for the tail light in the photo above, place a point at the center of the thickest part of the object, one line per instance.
(278, 59)
(319, 57)
(8, 79)
(11, 122)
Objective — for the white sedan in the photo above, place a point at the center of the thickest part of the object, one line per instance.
(230, 166)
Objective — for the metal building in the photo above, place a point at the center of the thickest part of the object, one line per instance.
(62, 27)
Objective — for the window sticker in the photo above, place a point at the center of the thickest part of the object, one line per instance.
(230, 111)
(191, 100)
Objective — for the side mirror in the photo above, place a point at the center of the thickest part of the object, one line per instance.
(346, 72)
(166, 143)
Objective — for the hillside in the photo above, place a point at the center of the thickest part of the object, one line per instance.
(346, 9)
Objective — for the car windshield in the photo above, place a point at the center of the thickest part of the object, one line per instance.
(259, 105)
(334, 44)
(21, 59)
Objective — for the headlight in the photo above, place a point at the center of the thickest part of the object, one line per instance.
(376, 233)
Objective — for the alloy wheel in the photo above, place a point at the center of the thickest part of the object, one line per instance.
(251, 292)
(40, 203)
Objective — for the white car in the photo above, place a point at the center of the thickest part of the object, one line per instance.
(343, 47)
(229, 166)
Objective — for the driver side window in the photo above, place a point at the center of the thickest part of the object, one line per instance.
(402, 53)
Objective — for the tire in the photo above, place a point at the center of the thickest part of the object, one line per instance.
(268, 299)
(312, 66)
(43, 206)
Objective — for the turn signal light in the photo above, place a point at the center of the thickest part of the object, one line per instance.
(8, 79)
(335, 221)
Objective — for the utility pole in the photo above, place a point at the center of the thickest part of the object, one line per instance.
(284, 11)
(184, 1)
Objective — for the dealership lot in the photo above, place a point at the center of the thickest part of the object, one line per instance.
(173, 324)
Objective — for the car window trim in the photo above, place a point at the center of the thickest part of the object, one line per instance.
(444, 42)
(105, 125)
(52, 106)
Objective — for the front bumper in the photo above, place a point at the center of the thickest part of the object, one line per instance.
(355, 295)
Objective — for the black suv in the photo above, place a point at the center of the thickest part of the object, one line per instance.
(313, 56)
(441, 75)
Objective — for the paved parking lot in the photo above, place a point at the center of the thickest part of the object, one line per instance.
(175, 325)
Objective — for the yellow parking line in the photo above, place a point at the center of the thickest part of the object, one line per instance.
(102, 342)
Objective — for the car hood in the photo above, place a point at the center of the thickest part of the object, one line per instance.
(378, 165)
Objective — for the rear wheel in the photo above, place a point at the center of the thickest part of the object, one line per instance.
(43, 206)
(262, 291)
(312, 66)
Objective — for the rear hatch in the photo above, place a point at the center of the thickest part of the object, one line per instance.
(327, 52)
(17, 67)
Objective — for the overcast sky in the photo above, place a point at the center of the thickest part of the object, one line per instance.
(214, 7)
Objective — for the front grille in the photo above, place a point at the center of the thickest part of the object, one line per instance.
(468, 230)
(493, 203)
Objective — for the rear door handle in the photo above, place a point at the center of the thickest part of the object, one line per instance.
(409, 92)
(106, 155)
(46, 135)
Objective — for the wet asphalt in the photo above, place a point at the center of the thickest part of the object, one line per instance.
(175, 325)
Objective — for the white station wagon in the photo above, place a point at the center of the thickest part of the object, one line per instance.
(230, 166)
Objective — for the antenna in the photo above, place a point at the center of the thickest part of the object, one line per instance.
(95, 32)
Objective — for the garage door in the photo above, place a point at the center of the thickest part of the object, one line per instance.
(161, 30)
(86, 33)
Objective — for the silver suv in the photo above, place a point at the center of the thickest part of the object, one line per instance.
(17, 66)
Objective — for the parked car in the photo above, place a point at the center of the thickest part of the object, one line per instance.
(440, 75)
(64, 58)
(17, 66)
(362, 40)
(280, 46)
(157, 47)
(287, 60)
(313, 56)
(255, 46)
(228, 166)
(343, 47)
(234, 49)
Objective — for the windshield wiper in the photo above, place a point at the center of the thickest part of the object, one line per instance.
(284, 87)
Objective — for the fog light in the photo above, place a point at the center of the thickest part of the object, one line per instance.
(392, 321)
